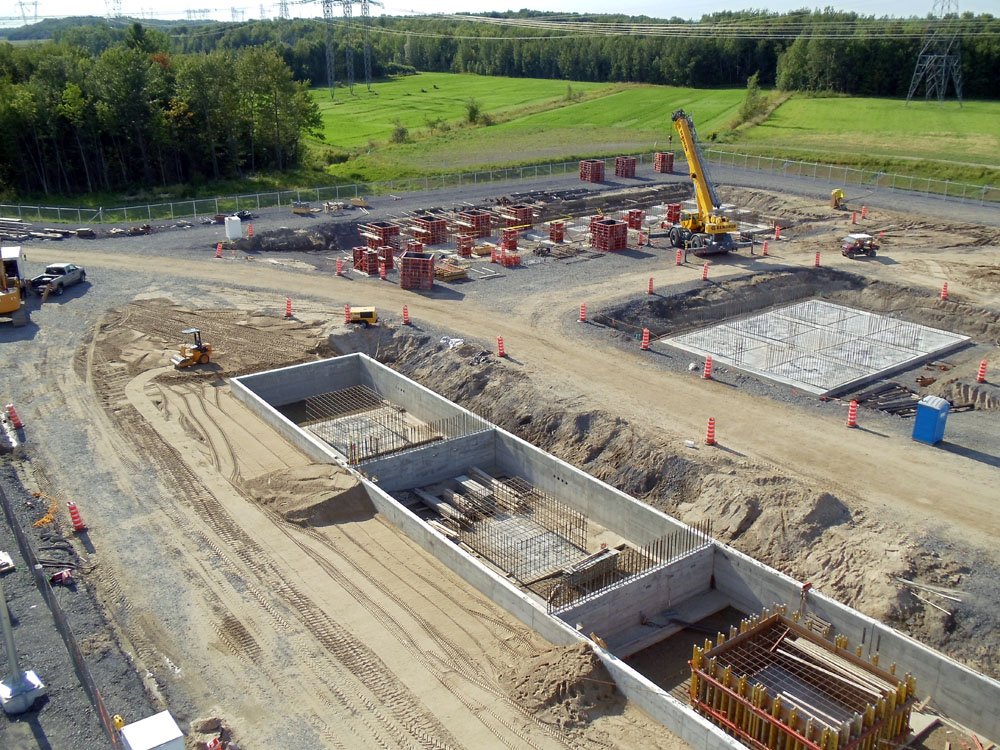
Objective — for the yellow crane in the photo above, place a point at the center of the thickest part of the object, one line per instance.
(12, 287)
(704, 231)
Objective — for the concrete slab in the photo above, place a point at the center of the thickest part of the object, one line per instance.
(818, 346)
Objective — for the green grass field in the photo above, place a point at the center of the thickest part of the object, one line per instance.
(413, 101)
(845, 129)
(536, 123)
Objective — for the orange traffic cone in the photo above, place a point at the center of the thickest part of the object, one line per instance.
(765, 248)
(500, 349)
(16, 420)
(74, 516)
(340, 266)
(704, 272)
(680, 257)
(218, 250)
(980, 378)
(347, 313)
(645, 339)
(406, 316)
(852, 414)
(649, 290)
(707, 374)
(250, 230)
(288, 307)
(944, 292)
(710, 434)
(583, 312)
(816, 262)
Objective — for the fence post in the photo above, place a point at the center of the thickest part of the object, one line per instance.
(149, 212)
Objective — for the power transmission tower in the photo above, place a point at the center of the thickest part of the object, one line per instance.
(366, 22)
(347, 5)
(283, 9)
(328, 18)
(940, 59)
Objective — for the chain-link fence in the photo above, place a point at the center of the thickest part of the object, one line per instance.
(194, 209)
(197, 208)
(946, 189)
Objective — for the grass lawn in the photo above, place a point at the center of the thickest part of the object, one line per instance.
(413, 101)
(612, 120)
(860, 129)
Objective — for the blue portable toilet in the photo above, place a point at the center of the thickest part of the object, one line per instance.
(932, 414)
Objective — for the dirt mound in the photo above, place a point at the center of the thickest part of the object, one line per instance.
(320, 237)
(561, 685)
(313, 495)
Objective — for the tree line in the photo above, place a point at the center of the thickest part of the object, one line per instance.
(138, 113)
(873, 61)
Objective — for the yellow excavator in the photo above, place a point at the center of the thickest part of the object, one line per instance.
(704, 231)
(12, 287)
(199, 354)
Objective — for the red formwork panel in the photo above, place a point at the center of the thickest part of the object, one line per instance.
(380, 233)
(592, 170)
(557, 231)
(416, 270)
(624, 166)
(673, 213)
(475, 222)
(517, 215)
(385, 256)
(508, 239)
(463, 244)
(663, 161)
(609, 235)
(412, 246)
(369, 262)
(635, 217)
(430, 229)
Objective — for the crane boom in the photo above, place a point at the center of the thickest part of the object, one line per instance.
(704, 190)
(705, 231)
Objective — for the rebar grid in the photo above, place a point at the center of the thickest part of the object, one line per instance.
(521, 529)
(362, 425)
(630, 563)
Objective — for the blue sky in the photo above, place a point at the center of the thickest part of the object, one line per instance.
(249, 10)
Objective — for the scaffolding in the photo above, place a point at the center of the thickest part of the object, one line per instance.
(776, 684)
(362, 425)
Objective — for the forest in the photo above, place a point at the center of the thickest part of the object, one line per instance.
(138, 113)
(229, 99)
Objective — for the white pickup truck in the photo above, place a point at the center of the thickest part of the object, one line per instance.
(60, 276)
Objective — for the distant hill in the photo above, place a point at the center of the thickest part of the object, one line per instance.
(51, 26)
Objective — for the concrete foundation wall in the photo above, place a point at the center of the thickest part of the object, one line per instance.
(959, 692)
(291, 384)
(421, 402)
(966, 696)
(655, 701)
(601, 503)
(434, 462)
(619, 608)
(306, 442)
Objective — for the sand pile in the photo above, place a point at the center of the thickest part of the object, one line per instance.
(561, 685)
(313, 495)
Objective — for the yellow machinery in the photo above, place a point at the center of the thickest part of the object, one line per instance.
(199, 354)
(12, 287)
(836, 198)
(704, 231)
(364, 315)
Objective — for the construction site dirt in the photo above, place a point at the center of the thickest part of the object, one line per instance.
(237, 588)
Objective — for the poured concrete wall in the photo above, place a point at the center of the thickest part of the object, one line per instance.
(962, 694)
(434, 462)
(601, 503)
(966, 696)
(291, 384)
(619, 608)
